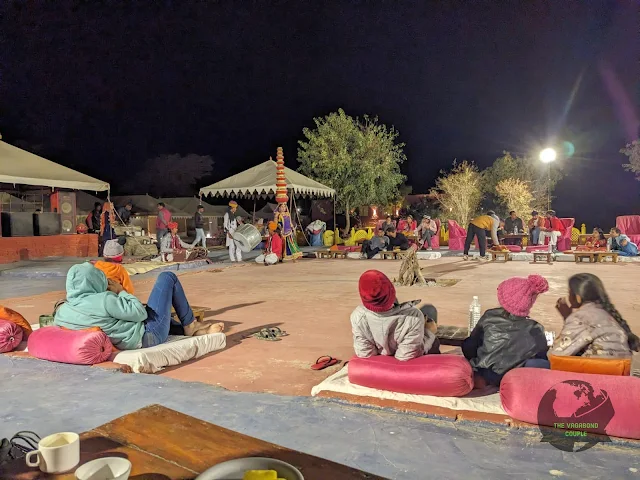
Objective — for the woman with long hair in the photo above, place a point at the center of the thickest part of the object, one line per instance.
(597, 239)
(593, 327)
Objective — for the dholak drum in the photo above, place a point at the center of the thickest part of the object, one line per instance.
(247, 236)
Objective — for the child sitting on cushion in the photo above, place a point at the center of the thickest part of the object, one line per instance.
(112, 264)
(383, 326)
(505, 337)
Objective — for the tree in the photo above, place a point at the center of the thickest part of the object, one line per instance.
(360, 159)
(534, 173)
(632, 150)
(459, 192)
(170, 175)
(514, 194)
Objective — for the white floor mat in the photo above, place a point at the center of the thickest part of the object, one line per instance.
(176, 350)
(477, 401)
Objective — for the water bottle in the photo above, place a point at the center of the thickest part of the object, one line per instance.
(515, 230)
(474, 313)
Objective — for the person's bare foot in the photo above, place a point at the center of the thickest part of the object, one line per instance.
(192, 328)
(209, 327)
(216, 328)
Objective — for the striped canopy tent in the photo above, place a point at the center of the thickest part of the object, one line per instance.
(260, 182)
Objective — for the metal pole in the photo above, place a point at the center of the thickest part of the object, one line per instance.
(549, 188)
(335, 225)
(254, 210)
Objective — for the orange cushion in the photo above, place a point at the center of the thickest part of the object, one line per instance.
(600, 366)
(14, 317)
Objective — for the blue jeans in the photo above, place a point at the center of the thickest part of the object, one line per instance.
(535, 236)
(629, 250)
(167, 292)
(200, 237)
(537, 363)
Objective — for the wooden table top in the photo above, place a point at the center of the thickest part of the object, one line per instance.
(163, 444)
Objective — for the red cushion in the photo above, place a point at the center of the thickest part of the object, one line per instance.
(79, 347)
(513, 248)
(533, 395)
(536, 248)
(437, 375)
(10, 336)
(457, 235)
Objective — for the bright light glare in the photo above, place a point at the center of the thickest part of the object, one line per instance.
(548, 155)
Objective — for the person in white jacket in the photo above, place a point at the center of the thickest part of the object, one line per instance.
(230, 226)
(383, 326)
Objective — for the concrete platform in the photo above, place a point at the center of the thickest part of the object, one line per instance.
(312, 301)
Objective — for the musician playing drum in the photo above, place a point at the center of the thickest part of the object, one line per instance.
(230, 226)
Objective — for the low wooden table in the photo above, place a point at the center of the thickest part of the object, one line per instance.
(340, 253)
(548, 257)
(163, 443)
(388, 254)
(581, 255)
(504, 255)
(602, 256)
(324, 254)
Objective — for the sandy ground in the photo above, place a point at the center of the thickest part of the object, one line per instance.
(312, 301)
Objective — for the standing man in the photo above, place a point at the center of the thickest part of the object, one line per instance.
(230, 226)
(619, 242)
(162, 222)
(124, 213)
(93, 219)
(552, 229)
(198, 221)
(534, 225)
(478, 227)
(513, 225)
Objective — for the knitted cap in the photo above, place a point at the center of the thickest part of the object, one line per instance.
(376, 291)
(112, 250)
(517, 295)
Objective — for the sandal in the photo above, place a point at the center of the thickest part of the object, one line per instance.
(19, 445)
(276, 331)
(265, 334)
(324, 362)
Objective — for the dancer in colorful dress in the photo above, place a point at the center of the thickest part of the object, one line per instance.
(290, 249)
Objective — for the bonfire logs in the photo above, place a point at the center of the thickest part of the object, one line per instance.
(410, 273)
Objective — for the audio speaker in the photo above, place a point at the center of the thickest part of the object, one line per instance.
(64, 203)
(17, 224)
(47, 224)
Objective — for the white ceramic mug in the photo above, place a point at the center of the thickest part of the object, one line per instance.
(56, 453)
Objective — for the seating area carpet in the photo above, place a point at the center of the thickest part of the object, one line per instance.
(485, 401)
(177, 350)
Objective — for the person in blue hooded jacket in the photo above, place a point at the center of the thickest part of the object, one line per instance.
(94, 301)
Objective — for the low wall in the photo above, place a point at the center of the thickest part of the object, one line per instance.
(14, 249)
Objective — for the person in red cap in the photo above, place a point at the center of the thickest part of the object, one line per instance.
(383, 326)
(505, 337)
(171, 243)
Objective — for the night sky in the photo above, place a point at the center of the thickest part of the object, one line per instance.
(104, 87)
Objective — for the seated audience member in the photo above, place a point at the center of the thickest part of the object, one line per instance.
(513, 225)
(426, 231)
(388, 223)
(112, 265)
(397, 240)
(410, 224)
(272, 253)
(592, 325)
(597, 239)
(552, 229)
(534, 224)
(621, 244)
(171, 243)
(94, 301)
(505, 337)
(383, 326)
(378, 243)
(124, 213)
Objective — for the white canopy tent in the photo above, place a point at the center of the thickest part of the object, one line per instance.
(18, 166)
(261, 181)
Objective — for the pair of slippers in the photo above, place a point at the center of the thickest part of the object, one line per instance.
(324, 362)
(272, 334)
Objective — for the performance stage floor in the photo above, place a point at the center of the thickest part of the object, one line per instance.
(312, 301)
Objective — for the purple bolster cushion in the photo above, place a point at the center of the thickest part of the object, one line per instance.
(10, 336)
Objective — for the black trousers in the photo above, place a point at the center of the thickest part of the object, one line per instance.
(368, 251)
(481, 234)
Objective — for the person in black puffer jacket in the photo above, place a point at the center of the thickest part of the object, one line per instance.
(505, 337)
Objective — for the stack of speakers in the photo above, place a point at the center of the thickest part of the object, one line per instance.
(61, 219)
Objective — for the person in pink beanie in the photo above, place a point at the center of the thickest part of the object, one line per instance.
(383, 326)
(505, 337)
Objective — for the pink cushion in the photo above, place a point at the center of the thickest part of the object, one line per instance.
(630, 226)
(10, 336)
(614, 399)
(513, 248)
(80, 347)
(437, 375)
(457, 235)
(536, 248)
